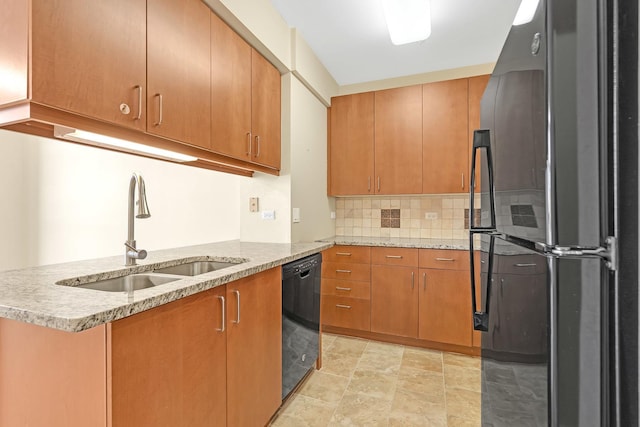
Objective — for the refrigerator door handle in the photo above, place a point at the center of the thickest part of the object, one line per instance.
(480, 317)
(608, 252)
(482, 140)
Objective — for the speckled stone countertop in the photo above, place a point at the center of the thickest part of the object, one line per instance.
(460, 244)
(32, 295)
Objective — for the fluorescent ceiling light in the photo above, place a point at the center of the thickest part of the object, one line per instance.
(526, 12)
(110, 142)
(408, 21)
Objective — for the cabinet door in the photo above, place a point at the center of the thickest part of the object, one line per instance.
(167, 365)
(265, 112)
(351, 145)
(477, 85)
(445, 306)
(179, 70)
(445, 150)
(254, 348)
(89, 58)
(230, 91)
(398, 141)
(394, 300)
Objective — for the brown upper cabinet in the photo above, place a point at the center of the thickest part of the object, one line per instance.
(245, 99)
(89, 58)
(420, 137)
(445, 147)
(179, 70)
(398, 141)
(141, 70)
(351, 147)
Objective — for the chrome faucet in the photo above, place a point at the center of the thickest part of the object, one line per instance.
(131, 253)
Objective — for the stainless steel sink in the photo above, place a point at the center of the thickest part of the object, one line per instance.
(195, 267)
(132, 282)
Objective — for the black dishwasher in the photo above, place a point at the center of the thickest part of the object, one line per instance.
(300, 319)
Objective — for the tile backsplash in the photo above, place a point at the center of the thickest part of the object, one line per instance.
(420, 216)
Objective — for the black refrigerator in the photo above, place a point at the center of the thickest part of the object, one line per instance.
(554, 216)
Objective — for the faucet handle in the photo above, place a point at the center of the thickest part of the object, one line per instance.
(135, 253)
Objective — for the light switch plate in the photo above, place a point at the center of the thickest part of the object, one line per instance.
(431, 215)
(269, 215)
(295, 215)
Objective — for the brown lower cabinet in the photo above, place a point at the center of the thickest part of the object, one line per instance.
(173, 365)
(417, 297)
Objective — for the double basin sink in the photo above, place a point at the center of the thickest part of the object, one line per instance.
(155, 277)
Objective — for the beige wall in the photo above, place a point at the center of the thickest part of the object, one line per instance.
(309, 166)
(64, 202)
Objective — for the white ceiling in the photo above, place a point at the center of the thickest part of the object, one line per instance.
(350, 36)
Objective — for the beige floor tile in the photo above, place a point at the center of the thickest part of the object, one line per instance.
(408, 402)
(386, 348)
(386, 362)
(373, 383)
(361, 410)
(412, 420)
(305, 411)
(460, 377)
(461, 360)
(463, 403)
(325, 387)
(428, 383)
(337, 364)
(428, 360)
(453, 421)
(346, 346)
(327, 340)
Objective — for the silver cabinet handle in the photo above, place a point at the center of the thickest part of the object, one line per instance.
(224, 314)
(412, 277)
(340, 288)
(525, 265)
(249, 144)
(343, 271)
(343, 306)
(424, 281)
(462, 181)
(445, 259)
(378, 183)
(394, 256)
(257, 145)
(139, 115)
(159, 122)
(237, 292)
(369, 183)
(343, 253)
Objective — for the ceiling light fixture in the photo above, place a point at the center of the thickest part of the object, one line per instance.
(526, 12)
(104, 141)
(408, 21)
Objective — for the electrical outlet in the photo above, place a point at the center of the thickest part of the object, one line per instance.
(431, 215)
(253, 204)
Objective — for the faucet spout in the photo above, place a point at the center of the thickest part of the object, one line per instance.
(131, 253)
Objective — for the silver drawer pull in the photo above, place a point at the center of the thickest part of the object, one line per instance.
(343, 253)
(340, 288)
(394, 256)
(343, 271)
(343, 306)
(224, 315)
(445, 259)
(525, 265)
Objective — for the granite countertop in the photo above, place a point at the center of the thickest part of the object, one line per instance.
(31, 295)
(400, 242)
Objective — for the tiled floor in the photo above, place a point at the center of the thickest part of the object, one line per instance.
(367, 383)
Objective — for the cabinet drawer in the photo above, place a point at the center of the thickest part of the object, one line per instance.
(346, 271)
(355, 254)
(394, 256)
(346, 288)
(345, 312)
(444, 259)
